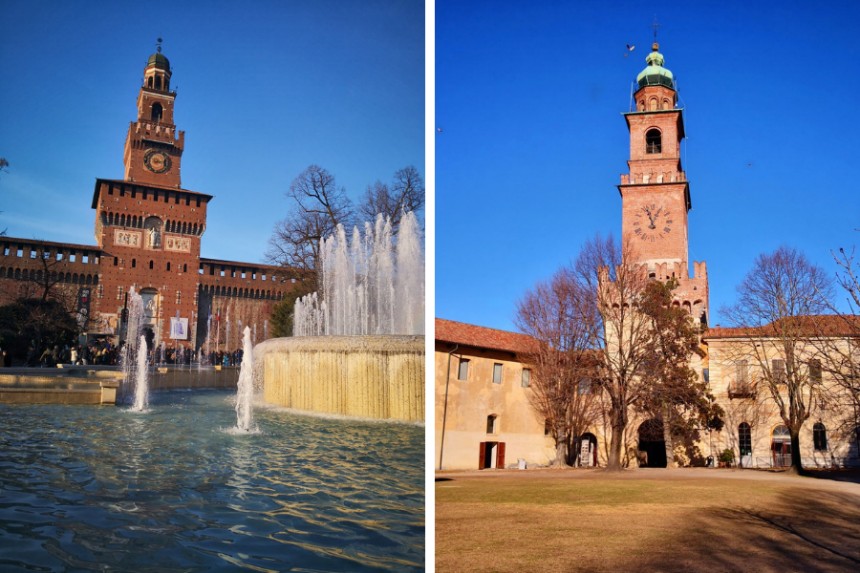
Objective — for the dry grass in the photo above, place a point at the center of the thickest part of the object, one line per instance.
(563, 521)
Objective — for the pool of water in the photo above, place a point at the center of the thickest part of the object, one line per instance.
(171, 489)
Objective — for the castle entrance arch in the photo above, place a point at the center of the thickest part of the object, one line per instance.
(652, 446)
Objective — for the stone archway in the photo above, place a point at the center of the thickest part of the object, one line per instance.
(652, 446)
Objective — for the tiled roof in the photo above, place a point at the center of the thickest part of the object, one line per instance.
(482, 337)
(810, 325)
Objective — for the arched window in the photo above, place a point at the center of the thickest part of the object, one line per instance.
(157, 112)
(744, 439)
(819, 437)
(653, 141)
(158, 82)
(149, 82)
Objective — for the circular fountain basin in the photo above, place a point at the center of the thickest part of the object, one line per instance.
(379, 377)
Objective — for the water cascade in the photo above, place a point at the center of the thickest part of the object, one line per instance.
(134, 386)
(245, 389)
(359, 344)
(370, 285)
(141, 381)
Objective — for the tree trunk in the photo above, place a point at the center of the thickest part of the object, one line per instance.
(560, 453)
(616, 444)
(796, 464)
(667, 439)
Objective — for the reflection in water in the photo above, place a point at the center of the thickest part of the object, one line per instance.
(102, 488)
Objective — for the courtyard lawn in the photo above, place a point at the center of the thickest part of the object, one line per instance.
(645, 520)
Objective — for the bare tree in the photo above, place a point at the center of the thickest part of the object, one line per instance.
(405, 194)
(778, 302)
(620, 332)
(318, 207)
(838, 345)
(563, 365)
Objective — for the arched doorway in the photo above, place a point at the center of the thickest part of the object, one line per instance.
(588, 450)
(780, 447)
(652, 446)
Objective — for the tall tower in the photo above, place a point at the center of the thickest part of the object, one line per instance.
(655, 194)
(153, 147)
(149, 228)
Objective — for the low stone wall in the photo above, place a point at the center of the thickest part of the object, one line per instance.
(378, 377)
(99, 384)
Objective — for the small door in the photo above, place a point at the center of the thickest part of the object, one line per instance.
(500, 456)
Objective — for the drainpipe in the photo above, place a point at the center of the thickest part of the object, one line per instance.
(445, 406)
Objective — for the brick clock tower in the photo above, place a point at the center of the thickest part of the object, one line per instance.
(153, 147)
(655, 194)
(147, 226)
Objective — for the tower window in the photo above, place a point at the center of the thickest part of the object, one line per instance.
(158, 82)
(157, 112)
(653, 141)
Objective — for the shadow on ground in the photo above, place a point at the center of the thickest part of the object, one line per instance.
(804, 530)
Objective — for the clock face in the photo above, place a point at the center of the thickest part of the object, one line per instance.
(652, 222)
(156, 161)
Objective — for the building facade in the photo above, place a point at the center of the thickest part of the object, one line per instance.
(481, 416)
(148, 232)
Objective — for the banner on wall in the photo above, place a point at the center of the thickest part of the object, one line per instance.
(178, 328)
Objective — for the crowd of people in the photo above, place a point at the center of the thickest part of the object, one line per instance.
(106, 353)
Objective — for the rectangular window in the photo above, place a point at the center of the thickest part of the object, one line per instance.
(85, 259)
(72, 257)
(777, 367)
(32, 253)
(463, 370)
(741, 372)
(527, 378)
(497, 373)
(815, 371)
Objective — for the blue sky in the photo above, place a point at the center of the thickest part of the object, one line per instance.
(264, 89)
(530, 98)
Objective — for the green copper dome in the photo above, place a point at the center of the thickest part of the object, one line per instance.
(159, 60)
(655, 74)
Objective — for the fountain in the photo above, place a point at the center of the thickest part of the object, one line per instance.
(141, 382)
(370, 286)
(245, 389)
(134, 385)
(359, 347)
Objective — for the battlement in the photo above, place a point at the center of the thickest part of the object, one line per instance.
(160, 132)
(651, 177)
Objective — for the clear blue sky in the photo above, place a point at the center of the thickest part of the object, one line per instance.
(530, 96)
(264, 89)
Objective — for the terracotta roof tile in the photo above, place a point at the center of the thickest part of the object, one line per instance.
(810, 325)
(482, 337)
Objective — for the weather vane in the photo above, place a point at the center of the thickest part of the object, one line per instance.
(158, 45)
(655, 25)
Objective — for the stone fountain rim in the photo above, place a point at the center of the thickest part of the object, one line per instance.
(377, 343)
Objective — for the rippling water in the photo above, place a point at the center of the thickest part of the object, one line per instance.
(171, 489)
